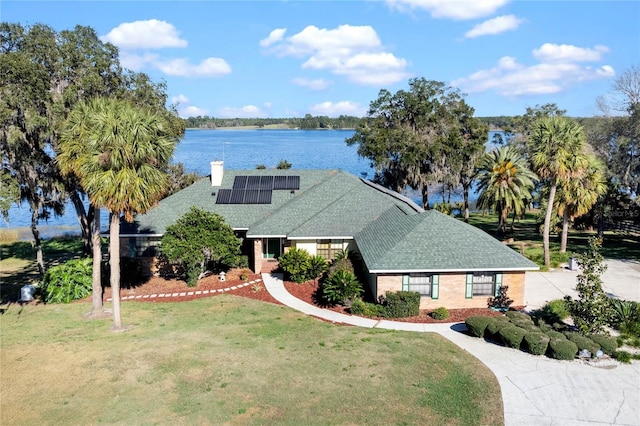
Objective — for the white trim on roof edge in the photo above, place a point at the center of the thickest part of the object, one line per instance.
(404, 271)
(265, 236)
(320, 238)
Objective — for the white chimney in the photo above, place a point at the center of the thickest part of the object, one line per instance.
(217, 171)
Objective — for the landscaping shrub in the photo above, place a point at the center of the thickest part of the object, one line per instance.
(583, 342)
(515, 317)
(562, 349)
(341, 287)
(318, 265)
(500, 302)
(536, 343)
(477, 325)
(360, 307)
(495, 325)
(342, 264)
(608, 344)
(401, 304)
(67, 282)
(296, 263)
(622, 356)
(555, 335)
(623, 312)
(441, 313)
(512, 336)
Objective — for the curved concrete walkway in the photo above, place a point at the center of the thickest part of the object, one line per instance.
(535, 390)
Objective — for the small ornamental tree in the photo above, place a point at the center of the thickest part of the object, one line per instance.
(500, 302)
(590, 311)
(198, 242)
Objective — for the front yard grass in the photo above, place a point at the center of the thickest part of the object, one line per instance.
(229, 360)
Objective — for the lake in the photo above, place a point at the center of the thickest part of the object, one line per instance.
(239, 149)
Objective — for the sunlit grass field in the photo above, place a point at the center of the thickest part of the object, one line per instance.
(229, 360)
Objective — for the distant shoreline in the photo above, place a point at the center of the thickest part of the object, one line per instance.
(269, 127)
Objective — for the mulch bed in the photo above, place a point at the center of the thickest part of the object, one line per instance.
(306, 292)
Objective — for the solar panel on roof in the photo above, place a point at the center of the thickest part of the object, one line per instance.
(251, 196)
(224, 196)
(240, 182)
(266, 182)
(237, 196)
(280, 182)
(253, 182)
(264, 197)
(293, 182)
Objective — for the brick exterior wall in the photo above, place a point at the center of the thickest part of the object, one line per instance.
(452, 290)
(257, 256)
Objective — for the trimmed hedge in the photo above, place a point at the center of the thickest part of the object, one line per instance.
(517, 317)
(495, 325)
(562, 349)
(583, 342)
(441, 313)
(401, 304)
(512, 336)
(359, 307)
(537, 343)
(477, 325)
(608, 344)
(555, 335)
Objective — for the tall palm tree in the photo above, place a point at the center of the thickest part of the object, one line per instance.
(505, 182)
(556, 143)
(577, 195)
(118, 151)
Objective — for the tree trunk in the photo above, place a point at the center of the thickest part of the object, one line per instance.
(85, 222)
(425, 196)
(547, 224)
(114, 260)
(37, 242)
(502, 222)
(513, 219)
(565, 232)
(465, 195)
(444, 193)
(97, 308)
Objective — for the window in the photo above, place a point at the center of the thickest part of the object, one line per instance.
(483, 284)
(329, 248)
(425, 284)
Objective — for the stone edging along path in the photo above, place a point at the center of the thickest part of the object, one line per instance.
(187, 293)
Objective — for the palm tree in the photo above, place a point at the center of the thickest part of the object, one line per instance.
(556, 143)
(505, 182)
(118, 152)
(576, 196)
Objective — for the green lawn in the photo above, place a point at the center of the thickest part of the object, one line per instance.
(229, 360)
(527, 238)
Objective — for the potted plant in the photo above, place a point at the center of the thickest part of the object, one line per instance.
(501, 302)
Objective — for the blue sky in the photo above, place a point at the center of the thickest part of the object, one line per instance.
(290, 58)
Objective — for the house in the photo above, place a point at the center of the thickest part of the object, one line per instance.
(402, 247)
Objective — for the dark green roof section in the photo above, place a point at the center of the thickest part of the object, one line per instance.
(433, 242)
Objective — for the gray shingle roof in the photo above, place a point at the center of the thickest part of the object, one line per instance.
(392, 233)
(431, 241)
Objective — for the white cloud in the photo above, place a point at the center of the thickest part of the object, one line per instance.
(180, 99)
(494, 26)
(192, 111)
(334, 109)
(210, 67)
(247, 111)
(274, 37)
(150, 34)
(453, 9)
(355, 52)
(559, 72)
(137, 62)
(550, 52)
(315, 84)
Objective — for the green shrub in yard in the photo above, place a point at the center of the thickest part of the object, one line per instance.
(477, 325)
(495, 325)
(441, 313)
(360, 307)
(68, 282)
(519, 317)
(512, 336)
(341, 287)
(296, 264)
(536, 343)
(622, 356)
(608, 344)
(402, 304)
(342, 264)
(555, 335)
(583, 342)
(562, 349)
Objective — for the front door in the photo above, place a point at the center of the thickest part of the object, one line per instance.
(270, 248)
